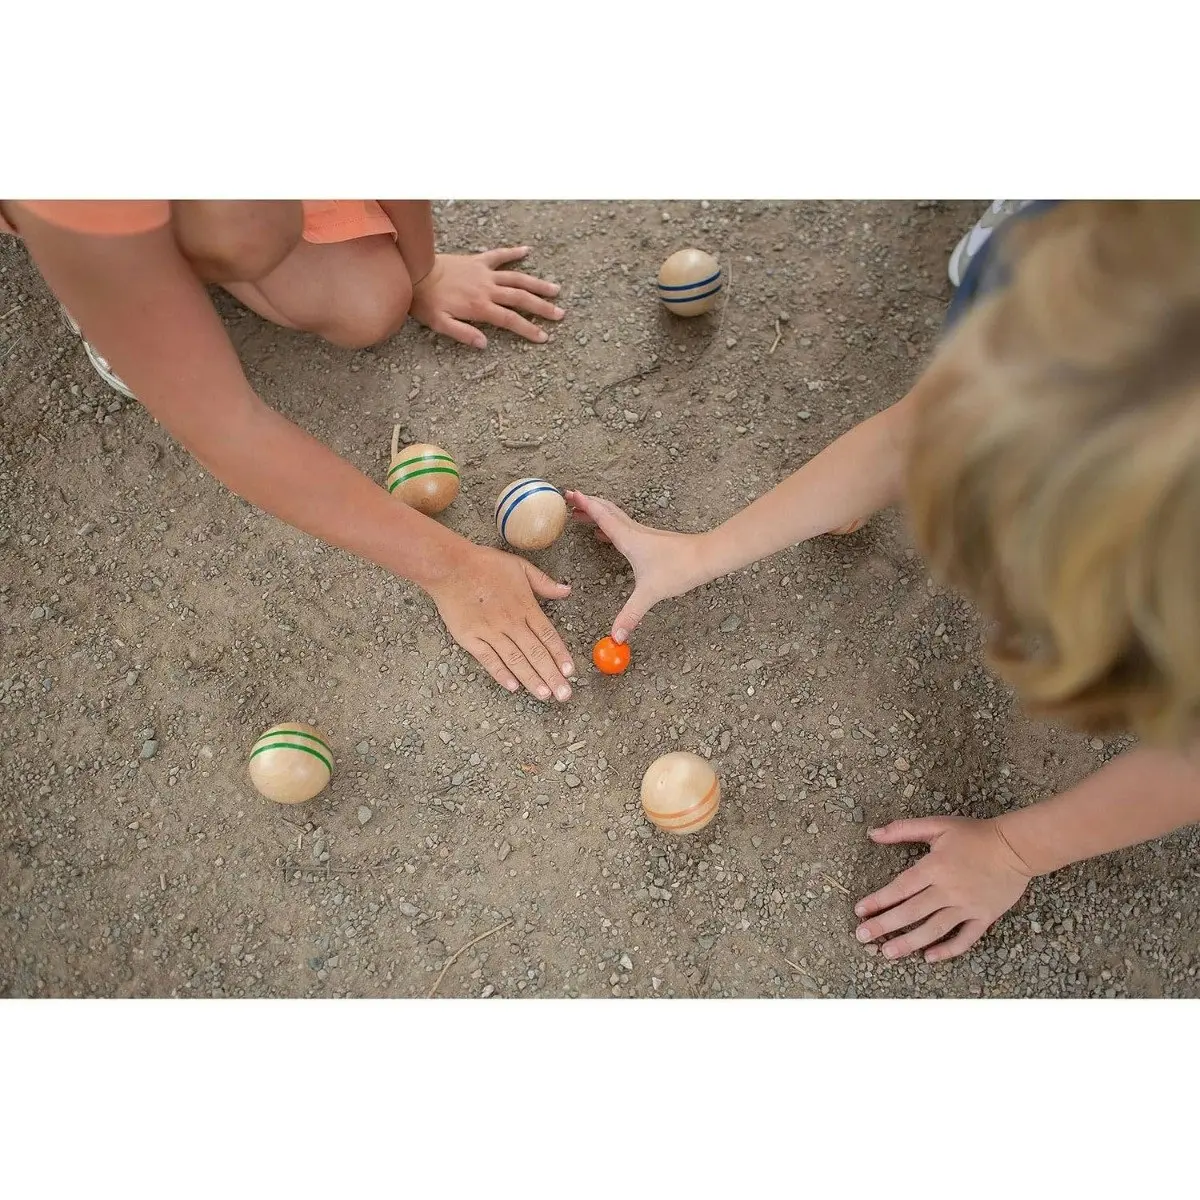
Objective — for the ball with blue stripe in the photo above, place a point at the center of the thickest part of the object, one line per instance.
(530, 514)
(689, 282)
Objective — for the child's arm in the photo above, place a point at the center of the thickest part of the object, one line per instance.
(1141, 795)
(415, 239)
(853, 477)
(976, 871)
(138, 301)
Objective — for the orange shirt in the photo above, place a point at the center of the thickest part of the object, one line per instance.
(324, 220)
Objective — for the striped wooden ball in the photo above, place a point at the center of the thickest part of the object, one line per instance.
(291, 763)
(689, 282)
(680, 792)
(424, 476)
(530, 514)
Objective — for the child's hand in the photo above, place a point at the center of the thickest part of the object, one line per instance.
(966, 882)
(471, 287)
(489, 604)
(664, 564)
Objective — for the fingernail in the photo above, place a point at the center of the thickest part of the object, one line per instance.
(889, 952)
(543, 693)
(512, 687)
(873, 831)
(862, 934)
(543, 336)
(559, 313)
(563, 693)
(619, 635)
(555, 289)
(568, 668)
(860, 910)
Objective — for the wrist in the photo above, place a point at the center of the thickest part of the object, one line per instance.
(1018, 861)
(708, 556)
(1015, 833)
(432, 557)
(432, 271)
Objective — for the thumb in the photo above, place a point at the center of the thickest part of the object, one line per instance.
(630, 617)
(543, 585)
(920, 829)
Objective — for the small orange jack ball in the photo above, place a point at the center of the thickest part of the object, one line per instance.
(610, 657)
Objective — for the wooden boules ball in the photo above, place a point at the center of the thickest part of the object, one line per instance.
(680, 792)
(689, 282)
(424, 476)
(530, 514)
(291, 763)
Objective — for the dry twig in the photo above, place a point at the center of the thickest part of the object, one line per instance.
(451, 960)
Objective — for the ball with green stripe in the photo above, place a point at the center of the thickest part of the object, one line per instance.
(291, 763)
(424, 476)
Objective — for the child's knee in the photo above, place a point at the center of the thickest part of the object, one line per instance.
(237, 241)
(371, 313)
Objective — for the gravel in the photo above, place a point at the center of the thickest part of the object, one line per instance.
(807, 681)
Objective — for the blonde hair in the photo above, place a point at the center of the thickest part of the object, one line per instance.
(1054, 467)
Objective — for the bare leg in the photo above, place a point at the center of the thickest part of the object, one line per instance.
(235, 240)
(354, 293)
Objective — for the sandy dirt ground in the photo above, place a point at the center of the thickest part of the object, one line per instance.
(153, 625)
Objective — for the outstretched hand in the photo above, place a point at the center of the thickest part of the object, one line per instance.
(473, 287)
(490, 606)
(952, 897)
(664, 564)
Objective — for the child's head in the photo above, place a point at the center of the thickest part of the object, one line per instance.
(1054, 474)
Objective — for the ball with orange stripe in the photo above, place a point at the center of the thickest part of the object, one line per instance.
(680, 792)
